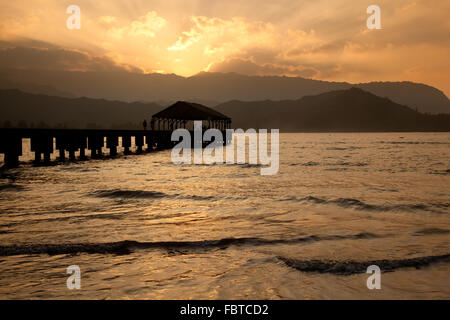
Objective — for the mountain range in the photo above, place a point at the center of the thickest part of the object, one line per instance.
(345, 110)
(208, 88)
(339, 111)
(43, 110)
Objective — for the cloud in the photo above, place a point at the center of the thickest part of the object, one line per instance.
(249, 67)
(221, 35)
(240, 45)
(50, 57)
(107, 21)
(147, 26)
(321, 39)
(187, 39)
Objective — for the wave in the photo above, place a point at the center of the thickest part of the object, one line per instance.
(343, 148)
(11, 187)
(127, 246)
(349, 164)
(133, 194)
(195, 197)
(414, 142)
(306, 164)
(341, 163)
(443, 172)
(354, 267)
(360, 205)
(143, 194)
(429, 231)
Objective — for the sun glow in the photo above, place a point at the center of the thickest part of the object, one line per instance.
(322, 39)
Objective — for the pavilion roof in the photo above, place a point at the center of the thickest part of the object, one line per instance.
(183, 110)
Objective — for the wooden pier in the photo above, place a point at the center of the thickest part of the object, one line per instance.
(43, 142)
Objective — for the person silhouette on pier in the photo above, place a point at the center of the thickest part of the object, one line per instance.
(145, 124)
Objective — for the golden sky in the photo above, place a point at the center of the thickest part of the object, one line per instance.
(318, 39)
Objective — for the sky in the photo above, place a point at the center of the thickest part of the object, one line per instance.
(326, 40)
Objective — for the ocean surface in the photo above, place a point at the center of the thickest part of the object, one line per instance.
(141, 227)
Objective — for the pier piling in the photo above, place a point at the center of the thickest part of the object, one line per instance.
(139, 141)
(112, 141)
(11, 146)
(126, 144)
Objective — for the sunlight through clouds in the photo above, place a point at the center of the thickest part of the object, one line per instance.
(325, 40)
(146, 26)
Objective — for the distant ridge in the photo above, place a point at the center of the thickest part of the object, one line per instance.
(35, 88)
(214, 88)
(338, 111)
(43, 110)
(415, 95)
(349, 110)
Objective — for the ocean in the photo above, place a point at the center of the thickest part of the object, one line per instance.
(141, 227)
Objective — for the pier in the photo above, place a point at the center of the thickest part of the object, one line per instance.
(44, 142)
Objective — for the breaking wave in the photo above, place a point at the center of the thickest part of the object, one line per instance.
(360, 205)
(133, 194)
(127, 246)
(354, 267)
(143, 194)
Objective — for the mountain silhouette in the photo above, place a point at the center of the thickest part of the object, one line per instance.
(338, 111)
(342, 110)
(213, 88)
(17, 106)
(34, 88)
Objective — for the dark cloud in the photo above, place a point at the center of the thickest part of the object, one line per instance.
(27, 42)
(40, 56)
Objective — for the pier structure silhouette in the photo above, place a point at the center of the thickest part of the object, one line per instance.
(44, 142)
